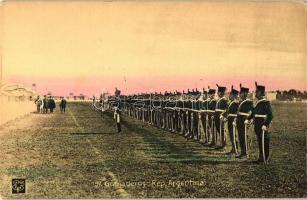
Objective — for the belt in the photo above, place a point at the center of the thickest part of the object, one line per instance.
(232, 115)
(260, 116)
(219, 110)
(244, 114)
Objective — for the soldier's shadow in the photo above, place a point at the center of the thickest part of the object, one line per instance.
(202, 161)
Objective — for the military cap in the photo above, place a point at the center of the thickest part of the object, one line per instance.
(260, 88)
(243, 89)
(221, 89)
(234, 91)
(211, 91)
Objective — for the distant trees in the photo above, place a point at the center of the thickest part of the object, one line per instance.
(291, 95)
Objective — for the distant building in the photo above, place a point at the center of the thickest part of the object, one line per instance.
(271, 96)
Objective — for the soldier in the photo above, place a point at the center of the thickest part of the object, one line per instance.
(182, 113)
(230, 115)
(117, 119)
(220, 109)
(262, 115)
(189, 125)
(177, 113)
(244, 110)
(45, 104)
(198, 121)
(101, 105)
(204, 116)
(38, 103)
(93, 103)
(63, 105)
(51, 104)
(210, 112)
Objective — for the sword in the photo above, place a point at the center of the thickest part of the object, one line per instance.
(212, 130)
(192, 124)
(245, 137)
(200, 127)
(207, 121)
(220, 132)
(263, 154)
(234, 131)
(143, 117)
(187, 128)
(224, 129)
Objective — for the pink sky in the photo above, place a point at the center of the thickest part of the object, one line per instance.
(95, 85)
(89, 47)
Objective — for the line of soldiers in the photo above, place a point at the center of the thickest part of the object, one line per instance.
(204, 118)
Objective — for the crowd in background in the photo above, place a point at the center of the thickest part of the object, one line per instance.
(291, 95)
(47, 104)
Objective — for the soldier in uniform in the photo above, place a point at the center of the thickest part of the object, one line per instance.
(182, 114)
(38, 103)
(198, 107)
(220, 109)
(93, 102)
(178, 107)
(63, 105)
(45, 104)
(51, 104)
(101, 105)
(189, 117)
(244, 110)
(211, 111)
(204, 116)
(262, 116)
(195, 116)
(229, 116)
(117, 118)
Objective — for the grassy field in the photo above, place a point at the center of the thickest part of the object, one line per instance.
(79, 155)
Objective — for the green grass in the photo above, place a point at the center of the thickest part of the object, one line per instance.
(33, 173)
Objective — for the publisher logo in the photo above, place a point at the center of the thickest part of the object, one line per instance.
(18, 186)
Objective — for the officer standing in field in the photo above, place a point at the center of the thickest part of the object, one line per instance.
(244, 110)
(117, 119)
(45, 104)
(262, 116)
(63, 105)
(38, 103)
(220, 109)
(229, 116)
(93, 102)
(51, 104)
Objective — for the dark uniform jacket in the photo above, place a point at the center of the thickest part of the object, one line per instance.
(46, 103)
(198, 105)
(194, 104)
(232, 110)
(262, 113)
(188, 104)
(221, 105)
(212, 106)
(63, 103)
(245, 108)
(179, 104)
(51, 103)
(205, 104)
